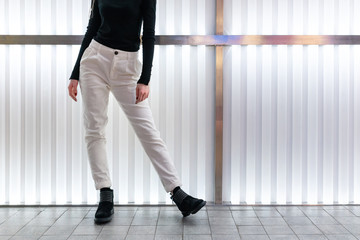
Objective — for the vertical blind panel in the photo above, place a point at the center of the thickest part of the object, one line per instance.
(298, 17)
(291, 112)
(71, 17)
(43, 156)
(293, 124)
(44, 17)
(186, 17)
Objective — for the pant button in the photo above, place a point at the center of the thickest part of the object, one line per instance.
(116, 52)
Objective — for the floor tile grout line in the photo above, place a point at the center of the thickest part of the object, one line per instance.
(157, 221)
(282, 217)
(76, 225)
(261, 224)
(27, 224)
(338, 221)
(323, 209)
(314, 223)
(137, 210)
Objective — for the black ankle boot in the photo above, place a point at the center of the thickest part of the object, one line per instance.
(186, 203)
(105, 209)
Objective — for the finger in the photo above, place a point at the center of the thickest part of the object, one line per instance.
(73, 93)
(142, 97)
(137, 92)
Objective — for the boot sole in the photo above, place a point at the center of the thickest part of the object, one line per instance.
(198, 207)
(104, 220)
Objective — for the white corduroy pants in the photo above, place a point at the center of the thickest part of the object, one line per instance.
(104, 69)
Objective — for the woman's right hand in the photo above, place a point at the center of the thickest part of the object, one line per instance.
(73, 89)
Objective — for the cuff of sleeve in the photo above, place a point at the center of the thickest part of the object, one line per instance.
(144, 80)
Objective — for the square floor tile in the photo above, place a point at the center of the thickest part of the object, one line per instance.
(168, 237)
(241, 208)
(248, 221)
(264, 213)
(270, 221)
(264, 208)
(199, 229)
(197, 237)
(9, 230)
(340, 213)
(308, 229)
(42, 221)
(224, 229)
(60, 230)
(298, 221)
(87, 230)
(49, 237)
(225, 237)
(283, 237)
(254, 237)
(312, 237)
(221, 221)
(328, 220)
(142, 230)
(32, 230)
(242, 214)
(172, 221)
(75, 214)
(67, 221)
(111, 237)
(24, 237)
(144, 221)
(315, 212)
(353, 228)
(341, 237)
(140, 237)
(278, 230)
(163, 230)
(217, 208)
(194, 222)
(8, 237)
(113, 230)
(291, 212)
(222, 214)
(348, 220)
(251, 230)
(125, 221)
(333, 229)
(82, 237)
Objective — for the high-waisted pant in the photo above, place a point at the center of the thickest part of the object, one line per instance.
(104, 69)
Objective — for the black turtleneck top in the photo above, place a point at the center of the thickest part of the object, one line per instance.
(117, 24)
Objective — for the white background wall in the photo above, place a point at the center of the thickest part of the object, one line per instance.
(43, 157)
(292, 113)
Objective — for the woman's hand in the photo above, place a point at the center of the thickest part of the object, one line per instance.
(142, 92)
(73, 89)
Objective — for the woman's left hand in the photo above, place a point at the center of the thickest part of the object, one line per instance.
(142, 92)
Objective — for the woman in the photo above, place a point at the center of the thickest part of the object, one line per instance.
(108, 61)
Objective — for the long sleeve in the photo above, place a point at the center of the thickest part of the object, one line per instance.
(148, 39)
(92, 28)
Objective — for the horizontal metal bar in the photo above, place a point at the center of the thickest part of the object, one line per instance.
(211, 40)
(208, 204)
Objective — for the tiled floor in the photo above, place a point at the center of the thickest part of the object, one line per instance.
(167, 223)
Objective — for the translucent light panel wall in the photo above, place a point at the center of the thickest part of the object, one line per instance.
(43, 156)
(292, 113)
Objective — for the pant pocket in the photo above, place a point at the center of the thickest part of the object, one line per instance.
(87, 53)
(129, 68)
